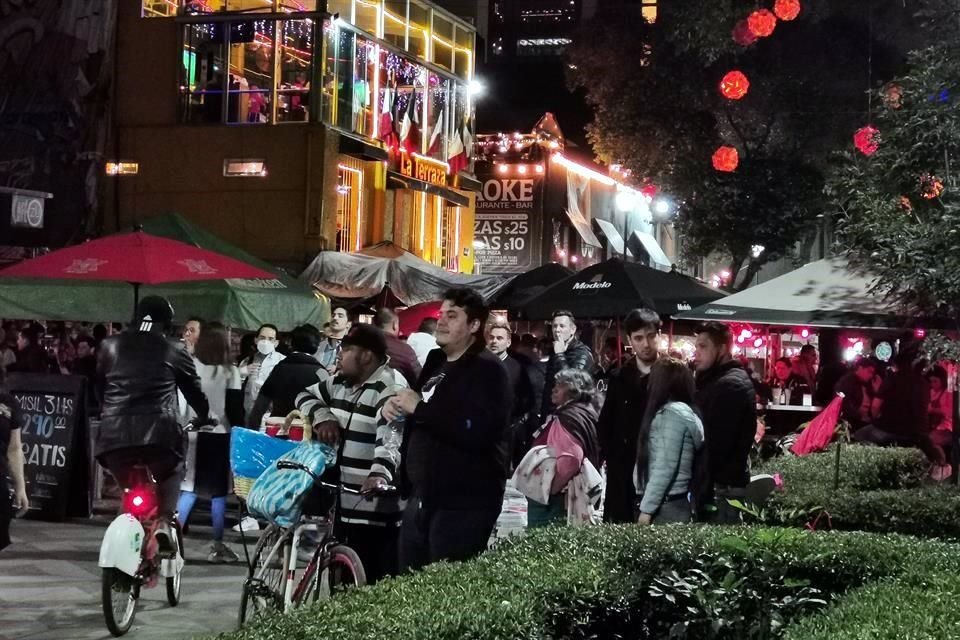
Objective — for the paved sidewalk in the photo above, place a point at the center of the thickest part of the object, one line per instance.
(50, 587)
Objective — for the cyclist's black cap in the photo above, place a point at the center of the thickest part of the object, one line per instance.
(155, 311)
(369, 337)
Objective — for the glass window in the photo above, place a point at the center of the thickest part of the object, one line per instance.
(356, 64)
(201, 73)
(158, 8)
(438, 117)
(298, 5)
(251, 72)
(442, 41)
(344, 8)
(346, 44)
(419, 27)
(296, 71)
(395, 23)
(328, 81)
(250, 6)
(367, 16)
(463, 63)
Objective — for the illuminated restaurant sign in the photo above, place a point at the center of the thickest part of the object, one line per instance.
(424, 169)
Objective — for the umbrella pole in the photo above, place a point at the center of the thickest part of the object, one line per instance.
(136, 299)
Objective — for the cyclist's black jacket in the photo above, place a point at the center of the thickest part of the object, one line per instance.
(138, 374)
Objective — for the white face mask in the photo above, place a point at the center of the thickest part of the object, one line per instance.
(266, 347)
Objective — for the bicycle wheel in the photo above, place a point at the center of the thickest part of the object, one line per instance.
(343, 570)
(173, 582)
(118, 593)
(264, 589)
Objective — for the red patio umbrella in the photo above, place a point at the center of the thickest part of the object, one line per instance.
(138, 258)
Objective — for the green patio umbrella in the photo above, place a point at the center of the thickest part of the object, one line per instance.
(241, 304)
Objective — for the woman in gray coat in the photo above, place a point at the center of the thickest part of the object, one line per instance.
(670, 436)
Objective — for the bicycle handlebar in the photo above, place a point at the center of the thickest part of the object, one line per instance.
(385, 491)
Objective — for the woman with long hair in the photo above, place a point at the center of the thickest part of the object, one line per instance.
(670, 435)
(207, 461)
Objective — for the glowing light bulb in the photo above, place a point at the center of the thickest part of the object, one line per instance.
(138, 501)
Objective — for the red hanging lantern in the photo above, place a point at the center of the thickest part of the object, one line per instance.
(726, 159)
(930, 186)
(762, 23)
(742, 34)
(649, 190)
(734, 85)
(787, 10)
(867, 140)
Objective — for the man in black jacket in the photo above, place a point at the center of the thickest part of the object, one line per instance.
(292, 375)
(568, 353)
(622, 414)
(139, 372)
(455, 421)
(499, 339)
(727, 403)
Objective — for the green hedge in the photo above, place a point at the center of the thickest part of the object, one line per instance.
(605, 582)
(881, 490)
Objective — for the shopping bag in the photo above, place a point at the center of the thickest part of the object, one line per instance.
(278, 494)
(251, 452)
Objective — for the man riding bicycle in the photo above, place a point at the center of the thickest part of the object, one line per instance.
(139, 372)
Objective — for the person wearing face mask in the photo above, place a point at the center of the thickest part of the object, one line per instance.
(257, 369)
(329, 349)
(568, 353)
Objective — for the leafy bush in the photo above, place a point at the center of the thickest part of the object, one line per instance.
(881, 489)
(861, 467)
(609, 582)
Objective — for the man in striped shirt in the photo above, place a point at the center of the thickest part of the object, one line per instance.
(345, 410)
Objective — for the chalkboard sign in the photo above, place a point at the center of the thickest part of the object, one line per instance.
(53, 429)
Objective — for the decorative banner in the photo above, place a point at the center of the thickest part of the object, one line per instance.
(507, 212)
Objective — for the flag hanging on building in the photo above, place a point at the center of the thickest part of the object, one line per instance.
(388, 120)
(457, 154)
(410, 127)
(436, 138)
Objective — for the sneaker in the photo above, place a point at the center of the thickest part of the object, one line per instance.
(939, 473)
(247, 524)
(221, 554)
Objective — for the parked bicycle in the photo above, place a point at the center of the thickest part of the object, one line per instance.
(273, 582)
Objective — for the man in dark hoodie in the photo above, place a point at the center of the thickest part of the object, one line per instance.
(727, 403)
(451, 459)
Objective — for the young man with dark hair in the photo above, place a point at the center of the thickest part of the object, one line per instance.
(859, 387)
(292, 375)
(403, 358)
(455, 423)
(727, 402)
(622, 414)
(334, 331)
(499, 340)
(568, 353)
(191, 332)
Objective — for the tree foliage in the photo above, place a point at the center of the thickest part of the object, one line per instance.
(657, 112)
(893, 222)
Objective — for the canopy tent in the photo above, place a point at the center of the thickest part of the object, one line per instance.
(825, 293)
(241, 304)
(526, 285)
(410, 279)
(611, 289)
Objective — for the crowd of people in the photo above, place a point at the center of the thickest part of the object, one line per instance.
(450, 412)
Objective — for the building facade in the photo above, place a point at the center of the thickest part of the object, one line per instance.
(290, 127)
(538, 203)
